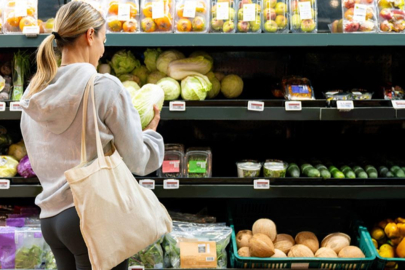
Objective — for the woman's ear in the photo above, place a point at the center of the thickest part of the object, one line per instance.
(90, 35)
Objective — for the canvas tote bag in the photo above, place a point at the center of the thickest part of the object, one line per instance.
(118, 217)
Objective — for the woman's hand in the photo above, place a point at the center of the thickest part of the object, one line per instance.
(155, 121)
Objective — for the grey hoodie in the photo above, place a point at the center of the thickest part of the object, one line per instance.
(51, 128)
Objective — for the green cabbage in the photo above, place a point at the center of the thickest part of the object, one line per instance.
(145, 98)
(195, 87)
(171, 88)
(151, 56)
(132, 87)
(166, 57)
(204, 54)
(129, 77)
(232, 86)
(216, 85)
(124, 62)
(142, 73)
(8, 166)
(155, 76)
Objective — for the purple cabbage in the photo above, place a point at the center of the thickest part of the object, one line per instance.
(24, 168)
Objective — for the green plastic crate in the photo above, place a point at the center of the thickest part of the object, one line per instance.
(364, 243)
(382, 263)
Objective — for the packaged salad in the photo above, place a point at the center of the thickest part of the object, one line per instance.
(173, 163)
(19, 14)
(275, 16)
(391, 16)
(192, 16)
(249, 16)
(198, 162)
(303, 16)
(122, 16)
(359, 16)
(223, 16)
(157, 16)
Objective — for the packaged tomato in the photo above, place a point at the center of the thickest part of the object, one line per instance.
(303, 16)
(391, 16)
(223, 16)
(122, 16)
(359, 16)
(275, 16)
(18, 14)
(157, 16)
(249, 16)
(191, 16)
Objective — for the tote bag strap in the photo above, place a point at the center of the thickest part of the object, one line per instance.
(89, 91)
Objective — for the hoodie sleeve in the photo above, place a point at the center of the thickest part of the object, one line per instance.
(142, 151)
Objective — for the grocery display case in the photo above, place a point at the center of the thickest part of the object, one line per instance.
(373, 130)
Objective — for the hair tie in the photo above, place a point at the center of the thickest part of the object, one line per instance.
(56, 34)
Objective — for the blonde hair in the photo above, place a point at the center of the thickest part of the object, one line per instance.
(72, 20)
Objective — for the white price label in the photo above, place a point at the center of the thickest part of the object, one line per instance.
(136, 267)
(360, 12)
(189, 8)
(171, 184)
(305, 10)
(257, 106)
(300, 266)
(124, 12)
(20, 8)
(177, 106)
(345, 105)
(31, 30)
(261, 184)
(249, 12)
(15, 107)
(147, 183)
(398, 104)
(223, 11)
(158, 10)
(293, 106)
(4, 184)
(2, 106)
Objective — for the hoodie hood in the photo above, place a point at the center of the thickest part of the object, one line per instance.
(56, 106)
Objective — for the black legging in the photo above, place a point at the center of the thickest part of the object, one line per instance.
(62, 233)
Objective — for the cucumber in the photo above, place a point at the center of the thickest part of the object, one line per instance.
(362, 174)
(389, 175)
(400, 173)
(293, 170)
(305, 165)
(357, 169)
(403, 168)
(394, 169)
(306, 170)
(343, 168)
(325, 174)
(333, 169)
(338, 174)
(383, 170)
(320, 167)
(350, 174)
(373, 175)
(313, 172)
(346, 170)
(371, 170)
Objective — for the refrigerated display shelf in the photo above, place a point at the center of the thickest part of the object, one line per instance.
(224, 40)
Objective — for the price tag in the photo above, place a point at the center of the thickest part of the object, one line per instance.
(293, 106)
(32, 31)
(249, 12)
(147, 183)
(345, 105)
(177, 106)
(158, 10)
(300, 266)
(124, 12)
(360, 12)
(2, 106)
(189, 8)
(20, 8)
(305, 10)
(15, 107)
(223, 11)
(261, 184)
(398, 104)
(171, 184)
(4, 184)
(136, 267)
(257, 106)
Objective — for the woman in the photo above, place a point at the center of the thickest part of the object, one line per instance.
(51, 126)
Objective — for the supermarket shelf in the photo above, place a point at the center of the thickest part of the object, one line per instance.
(225, 40)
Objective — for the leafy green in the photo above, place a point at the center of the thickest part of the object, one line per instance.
(144, 99)
(21, 68)
(142, 73)
(150, 257)
(195, 87)
(171, 88)
(28, 258)
(124, 62)
(151, 56)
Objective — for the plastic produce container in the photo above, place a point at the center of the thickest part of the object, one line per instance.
(157, 16)
(192, 16)
(275, 16)
(122, 16)
(19, 14)
(297, 88)
(303, 16)
(248, 168)
(29, 248)
(391, 16)
(223, 16)
(275, 168)
(173, 163)
(198, 163)
(249, 16)
(359, 17)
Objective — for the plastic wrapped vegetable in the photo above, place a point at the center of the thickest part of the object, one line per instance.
(7, 247)
(145, 98)
(17, 150)
(197, 234)
(359, 16)
(198, 162)
(29, 243)
(8, 166)
(24, 168)
(303, 16)
(150, 257)
(179, 69)
(122, 16)
(165, 58)
(48, 259)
